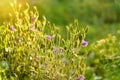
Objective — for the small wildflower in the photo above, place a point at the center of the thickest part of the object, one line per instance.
(32, 19)
(48, 37)
(12, 28)
(81, 77)
(55, 51)
(84, 43)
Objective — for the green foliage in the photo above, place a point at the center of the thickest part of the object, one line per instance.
(88, 11)
(32, 48)
(64, 11)
(103, 59)
(28, 52)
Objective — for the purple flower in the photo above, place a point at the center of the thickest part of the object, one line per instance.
(48, 37)
(81, 77)
(32, 19)
(55, 50)
(12, 28)
(84, 43)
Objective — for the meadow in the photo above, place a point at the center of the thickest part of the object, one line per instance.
(60, 40)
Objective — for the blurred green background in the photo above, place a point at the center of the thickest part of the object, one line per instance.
(103, 16)
(65, 11)
(87, 11)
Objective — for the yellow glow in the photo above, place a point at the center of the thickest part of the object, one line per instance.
(5, 8)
